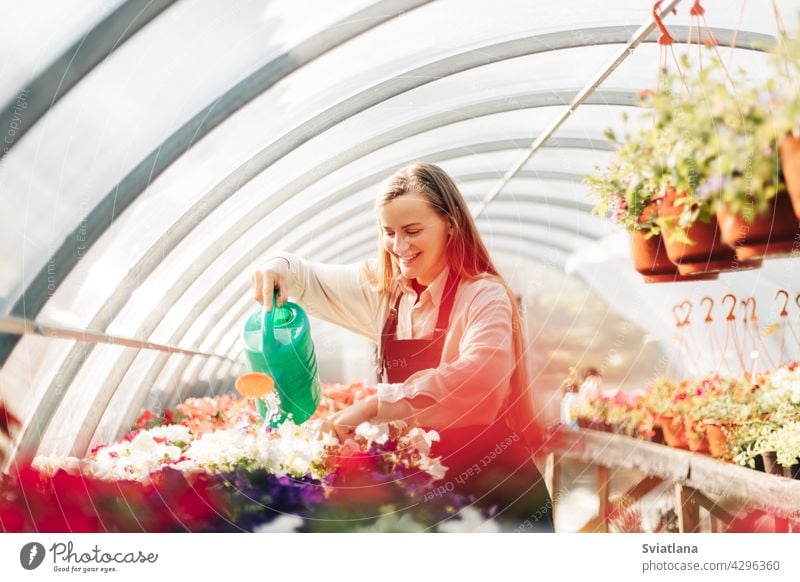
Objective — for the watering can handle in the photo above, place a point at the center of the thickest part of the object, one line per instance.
(267, 324)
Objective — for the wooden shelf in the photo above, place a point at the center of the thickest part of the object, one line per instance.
(696, 476)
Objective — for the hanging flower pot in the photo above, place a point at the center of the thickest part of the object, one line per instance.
(650, 259)
(790, 163)
(770, 234)
(696, 247)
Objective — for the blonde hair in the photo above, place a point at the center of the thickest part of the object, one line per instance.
(466, 253)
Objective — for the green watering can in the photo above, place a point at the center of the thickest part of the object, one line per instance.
(278, 343)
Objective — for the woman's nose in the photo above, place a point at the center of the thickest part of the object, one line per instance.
(400, 244)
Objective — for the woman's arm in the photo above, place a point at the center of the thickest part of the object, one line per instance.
(469, 390)
(335, 293)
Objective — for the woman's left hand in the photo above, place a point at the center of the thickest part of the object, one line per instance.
(345, 421)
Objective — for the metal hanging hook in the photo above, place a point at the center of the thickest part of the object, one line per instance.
(785, 294)
(708, 318)
(747, 302)
(734, 301)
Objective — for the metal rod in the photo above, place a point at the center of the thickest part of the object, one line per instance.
(21, 326)
(643, 32)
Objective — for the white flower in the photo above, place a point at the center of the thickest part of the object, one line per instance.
(374, 433)
(389, 522)
(421, 439)
(51, 463)
(469, 520)
(433, 467)
(286, 523)
(174, 433)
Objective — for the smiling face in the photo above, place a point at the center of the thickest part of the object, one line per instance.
(415, 235)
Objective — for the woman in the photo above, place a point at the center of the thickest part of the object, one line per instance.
(450, 355)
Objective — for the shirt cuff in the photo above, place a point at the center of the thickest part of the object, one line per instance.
(390, 393)
(400, 410)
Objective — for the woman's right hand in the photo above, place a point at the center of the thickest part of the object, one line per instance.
(272, 275)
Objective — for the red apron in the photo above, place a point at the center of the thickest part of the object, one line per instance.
(490, 462)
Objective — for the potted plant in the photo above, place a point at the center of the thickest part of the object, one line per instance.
(687, 201)
(786, 113)
(626, 192)
(753, 209)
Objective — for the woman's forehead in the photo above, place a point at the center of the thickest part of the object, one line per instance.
(406, 210)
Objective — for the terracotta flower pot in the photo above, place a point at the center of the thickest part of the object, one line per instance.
(770, 234)
(790, 163)
(697, 444)
(651, 260)
(717, 439)
(708, 254)
(674, 432)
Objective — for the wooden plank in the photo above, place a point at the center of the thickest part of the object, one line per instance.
(771, 493)
(641, 489)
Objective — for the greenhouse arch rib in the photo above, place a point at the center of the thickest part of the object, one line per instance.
(119, 198)
(78, 61)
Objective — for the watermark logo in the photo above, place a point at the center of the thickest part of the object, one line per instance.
(31, 555)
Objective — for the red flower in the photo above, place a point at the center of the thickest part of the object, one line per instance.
(144, 419)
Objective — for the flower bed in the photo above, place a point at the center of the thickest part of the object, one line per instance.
(734, 419)
(212, 465)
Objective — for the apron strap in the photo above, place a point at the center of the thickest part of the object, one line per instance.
(442, 321)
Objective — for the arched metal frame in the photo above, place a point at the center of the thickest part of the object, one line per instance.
(592, 43)
(134, 184)
(74, 64)
(77, 356)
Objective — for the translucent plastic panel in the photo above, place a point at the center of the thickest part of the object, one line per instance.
(45, 30)
(27, 371)
(578, 162)
(70, 419)
(168, 195)
(178, 64)
(131, 384)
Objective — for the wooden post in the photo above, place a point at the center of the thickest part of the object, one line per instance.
(687, 508)
(602, 494)
(553, 479)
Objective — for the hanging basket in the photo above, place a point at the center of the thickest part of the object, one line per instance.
(651, 261)
(790, 163)
(774, 233)
(708, 254)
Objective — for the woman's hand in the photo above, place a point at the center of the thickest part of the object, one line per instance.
(344, 422)
(272, 275)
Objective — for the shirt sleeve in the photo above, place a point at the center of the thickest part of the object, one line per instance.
(471, 389)
(335, 293)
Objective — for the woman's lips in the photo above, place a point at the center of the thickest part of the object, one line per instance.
(408, 261)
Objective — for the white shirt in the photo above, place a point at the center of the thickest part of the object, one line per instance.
(472, 380)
